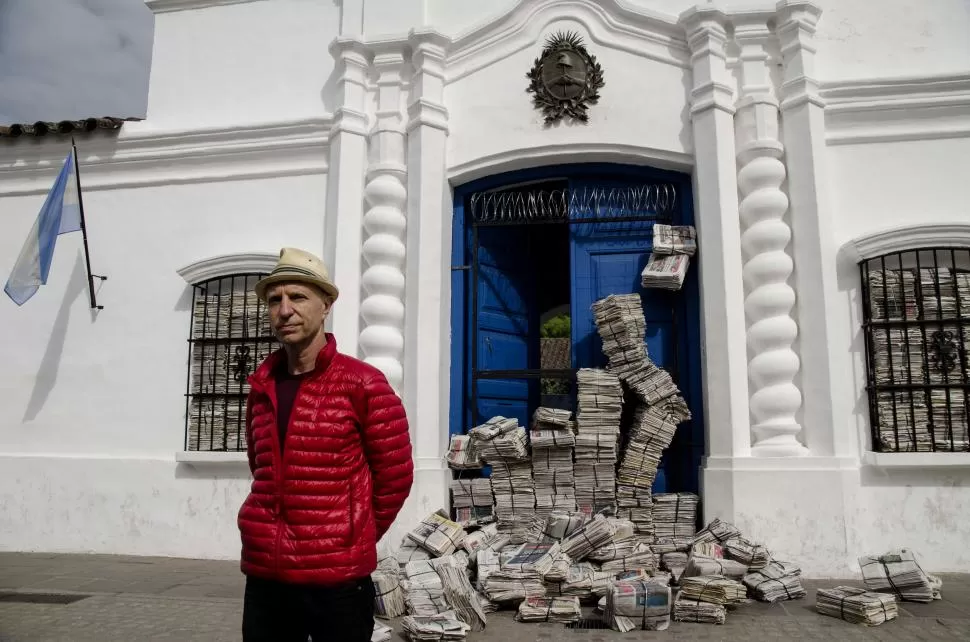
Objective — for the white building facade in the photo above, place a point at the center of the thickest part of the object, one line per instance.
(805, 138)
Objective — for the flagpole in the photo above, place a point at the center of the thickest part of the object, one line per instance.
(84, 234)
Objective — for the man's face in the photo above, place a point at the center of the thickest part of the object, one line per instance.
(296, 311)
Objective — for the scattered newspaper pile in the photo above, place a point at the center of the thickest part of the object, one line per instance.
(650, 434)
(437, 534)
(856, 605)
(713, 588)
(899, 572)
(692, 610)
(776, 581)
(552, 461)
(441, 626)
(599, 407)
(674, 515)
(672, 248)
(423, 590)
(549, 609)
(471, 498)
(637, 604)
(462, 454)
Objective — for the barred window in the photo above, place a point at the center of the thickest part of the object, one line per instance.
(229, 337)
(916, 310)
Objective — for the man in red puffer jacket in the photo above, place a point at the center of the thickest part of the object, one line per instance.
(330, 454)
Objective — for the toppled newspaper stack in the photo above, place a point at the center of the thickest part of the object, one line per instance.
(437, 534)
(650, 434)
(674, 239)
(441, 626)
(600, 406)
(637, 604)
(776, 581)
(899, 572)
(687, 609)
(552, 461)
(665, 272)
(856, 605)
(462, 454)
(549, 609)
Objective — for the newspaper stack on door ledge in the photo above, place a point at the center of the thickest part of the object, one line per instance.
(673, 245)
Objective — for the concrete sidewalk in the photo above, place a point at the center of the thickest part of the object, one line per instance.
(77, 598)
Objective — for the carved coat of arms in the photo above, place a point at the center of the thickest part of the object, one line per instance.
(565, 79)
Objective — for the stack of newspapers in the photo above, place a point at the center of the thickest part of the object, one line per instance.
(590, 536)
(673, 245)
(776, 581)
(650, 434)
(637, 604)
(712, 588)
(441, 626)
(675, 516)
(899, 572)
(500, 439)
(502, 444)
(856, 605)
(549, 609)
(552, 461)
(687, 609)
(599, 408)
(471, 498)
(462, 454)
(437, 534)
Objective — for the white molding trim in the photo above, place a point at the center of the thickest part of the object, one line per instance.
(608, 23)
(202, 458)
(141, 157)
(228, 265)
(534, 156)
(166, 6)
(897, 109)
(908, 237)
(916, 460)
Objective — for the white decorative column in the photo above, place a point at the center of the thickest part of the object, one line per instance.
(773, 363)
(345, 187)
(382, 339)
(813, 248)
(428, 329)
(719, 260)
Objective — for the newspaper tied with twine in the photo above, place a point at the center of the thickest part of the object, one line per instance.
(665, 272)
(437, 534)
(556, 527)
(716, 531)
(423, 590)
(549, 609)
(388, 594)
(708, 559)
(856, 605)
(462, 454)
(898, 572)
(637, 605)
(674, 239)
(461, 596)
(687, 609)
(674, 519)
(776, 581)
(714, 589)
(500, 439)
(441, 626)
(754, 556)
(641, 558)
(593, 534)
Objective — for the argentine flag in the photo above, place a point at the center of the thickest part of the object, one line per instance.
(61, 214)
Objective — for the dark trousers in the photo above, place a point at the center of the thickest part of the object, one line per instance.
(278, 612)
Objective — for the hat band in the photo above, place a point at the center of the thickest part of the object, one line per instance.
(287, 269)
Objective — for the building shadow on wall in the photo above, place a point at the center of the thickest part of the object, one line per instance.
(51, 361)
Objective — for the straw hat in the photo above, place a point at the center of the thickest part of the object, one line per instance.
(301, 266)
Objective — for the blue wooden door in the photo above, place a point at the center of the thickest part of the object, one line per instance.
(507, 337)
(607, 258)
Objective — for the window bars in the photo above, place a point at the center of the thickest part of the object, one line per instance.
(229, 337)
(916, 311)
(552, 203)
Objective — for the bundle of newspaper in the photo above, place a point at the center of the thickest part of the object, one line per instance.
(388, 594)
(552, 461)
(899, 572)
(674, 516)
(462, 454)
(662, 545)
(713, 588)
(477, 540)
(423, 590)
(533, 557)
(650, 434)
(583, 580)
(559, 570)
(437, 534)
(409, 551)
(599, 408)
(636, 505)
(776, 581)
(754, 556)
(508, 585)
(381, 633)
(687, 609)
(590, 536)
(637, 604)
(641, 558)
(500, 439)
(707, 558)
(551, 418)
(621, 544)
(472, 498)
(665, 272)
(515, 500)
(549, 609)
(716, 531)
(487, 561)
(461, 597)
(441, 626)
(557, 526)
(676, 563)
(856, 605)
(674, 239)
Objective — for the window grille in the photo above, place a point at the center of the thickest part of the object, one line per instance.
(916, 311)
(229, 336)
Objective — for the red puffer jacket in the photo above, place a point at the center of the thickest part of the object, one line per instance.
(315, 515)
